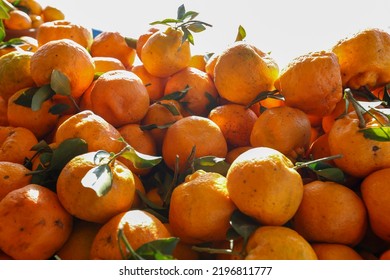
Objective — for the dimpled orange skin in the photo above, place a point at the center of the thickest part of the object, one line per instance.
(364, 58)
(12, 176)
(360, 155)
(97, 132)
(68, 57)
(376, 196)
(278, 243)
(190, 132)
(263, 184)
(330, 213)
(312, 83)
(139, 227)
(200, 208)
(83, 202)
(164, 53)
(329, 251)
(242, 71)
(33, 223)
(285, 129)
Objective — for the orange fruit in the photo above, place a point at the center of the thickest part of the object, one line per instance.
(364, 58)
(285, 129)
(201, 95)
(242, 71)
(153, 196)
(312, 83)
(330, 213)
(78, 245)
(376, 197)
(113, 44)
(159, 115)
(235, 152)
(320, 148)
(15, 72)
(360, 155)
(104, 64)
(236, 123)
(3, 112)
(12, 176)
(154, 85)
(18, 20)
(68, 57)
(164, 53)
(32, 6)
(33, 223)
(142, 40)
(40, 122)
(333, 251)
(119, 97)
(83, 202)
(139, 227)
(138, 184)
(50, 13)
(97, 132)
(141, 141)
(189, 133)
(385, 255)
(198, 61)
(64, 29)
(210, 65)
(328, 120)
(278, 243)
(16, 144)
(263, 184)
(183, 251)
(200, 208)
(36, 21)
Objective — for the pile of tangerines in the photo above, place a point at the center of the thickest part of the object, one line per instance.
(183, 156)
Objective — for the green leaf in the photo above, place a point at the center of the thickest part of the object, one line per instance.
(212, 164)
(176, 95)
(155, 126)
(243, 224)
(196, 27)
(141, 160)
(59, 82)
(41, 146)
(207, 56)
(171, 108)
(3, 12)
(160, 249)
(167, 21)
(241, 34)
(59, 108)
(381, 134)
(190, 15)
(41, 95)
(187, 36)
(213, 102)
(327, 172)
(99, 179)
(66, 151)
(181, 11)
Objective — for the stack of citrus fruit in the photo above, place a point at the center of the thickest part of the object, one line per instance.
(176, 156)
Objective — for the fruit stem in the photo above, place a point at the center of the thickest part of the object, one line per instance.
(358, 109)
(299, 165)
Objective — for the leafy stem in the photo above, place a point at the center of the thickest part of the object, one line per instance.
(185, 21)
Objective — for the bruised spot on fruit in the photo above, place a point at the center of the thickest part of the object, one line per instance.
(59, 223)
(6, 177)
(109, 239)
(21, 229)
(375, 148)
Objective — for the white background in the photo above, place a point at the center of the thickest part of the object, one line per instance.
(286, 28)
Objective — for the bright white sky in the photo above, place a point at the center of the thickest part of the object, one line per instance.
(284, 28)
